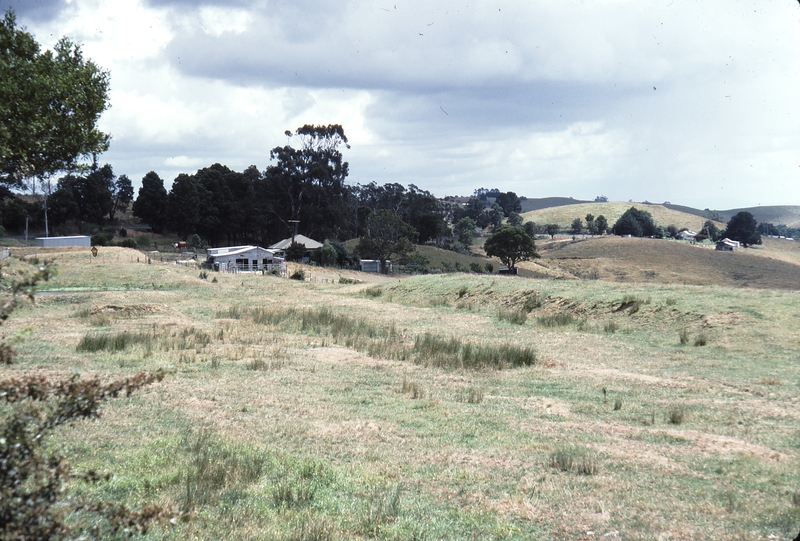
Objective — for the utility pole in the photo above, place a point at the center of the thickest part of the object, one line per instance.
(294, 233)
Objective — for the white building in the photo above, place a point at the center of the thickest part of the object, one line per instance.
(311, 246)
(77, 240)
(687, 234)
(374, 265)
(243, 259)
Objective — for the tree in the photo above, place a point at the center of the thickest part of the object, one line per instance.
(151, 205)
(551, 229)
(387, 234)
(50, 103)
(121, 195)
(464, 230)
(591, 226)
(515, 219)
(530, 229)
(511, 244)
(295, 251)
(328, 255)
(576, 227)
(637, 223)
(710, 230)
(509, 202)
(601, 223)
(744, 228)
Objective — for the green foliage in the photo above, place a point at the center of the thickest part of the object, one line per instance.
(551, 229)
(44, 131)
(601, 224)
(710, 230)
(295, 251)
(464, 230)
(299, 275)
(744, 228)
(514, 219)
(637, 223)
(387, 234)
(560, 319)
(328, 255)
(576, 227)
(151, 204)
(511, 244)
(100, 239)
(489, 267)
(128, 243)
(509, 202)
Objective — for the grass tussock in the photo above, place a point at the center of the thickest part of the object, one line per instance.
(516, 316)
(470, 396)
(373, 292)
(567, 460)
(683, 336)
(561, 319)
(676, 415)
(93, 342)
(431, 350)
(701, 340)
(412, 389)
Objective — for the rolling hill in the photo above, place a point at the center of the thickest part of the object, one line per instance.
(776, 265)
(563, 215)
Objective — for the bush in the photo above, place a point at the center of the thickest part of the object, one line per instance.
(100, 239)
(123, 232)
(129, 243)
(299, 275)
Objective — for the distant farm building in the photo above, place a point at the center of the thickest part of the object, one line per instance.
(374, 265)
(243, 259)
(727, 245)
(311, 246)
(77, 240)
(687, 234)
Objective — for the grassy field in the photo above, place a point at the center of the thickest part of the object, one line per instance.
(432, 407)
(774, 265)
(563, 215)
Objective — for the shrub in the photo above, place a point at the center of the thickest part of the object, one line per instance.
(676, 416)
(299, 275)
(475, 267)
(100, 239)
(128, 243)
(123, 232)
(489, 268)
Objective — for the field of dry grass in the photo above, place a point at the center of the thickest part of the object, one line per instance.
(663, 216)
(321, 410)
(775, 265)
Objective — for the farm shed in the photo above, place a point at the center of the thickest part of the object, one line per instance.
(77, 240)
(687, 234)
(374, 265)
(727, 245)
(311, 246)
(243, 259)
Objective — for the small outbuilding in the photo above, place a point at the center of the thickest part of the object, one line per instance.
(687, 234)
(374, 265)
(243, 259)
(76, 240)
(728, 245)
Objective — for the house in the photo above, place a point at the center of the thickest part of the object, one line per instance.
(76, 240)
(728, 245)
(687, 234)
(311, 246)
(243, 259)
(374, 265)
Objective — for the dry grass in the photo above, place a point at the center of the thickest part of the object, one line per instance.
(563, 215)
(349, 443)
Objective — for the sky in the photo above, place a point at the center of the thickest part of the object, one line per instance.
(689, 101)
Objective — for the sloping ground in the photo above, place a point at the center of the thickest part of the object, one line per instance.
(537, 203)
(788, 215)
(660, 261)
(564, 215)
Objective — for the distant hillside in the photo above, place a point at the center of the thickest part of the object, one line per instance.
(673, 262)
(529, 205)
(788, 215)
(564, 215)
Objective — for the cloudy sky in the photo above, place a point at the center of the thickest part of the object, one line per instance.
(691, 101)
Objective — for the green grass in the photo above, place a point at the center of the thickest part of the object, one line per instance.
(302, 410)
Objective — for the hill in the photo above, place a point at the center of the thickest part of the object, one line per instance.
(674, 262)
(563, 215)
(787, 215)
(546, 202)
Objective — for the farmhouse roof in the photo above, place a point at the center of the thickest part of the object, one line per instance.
(310, 244)
(234, 250)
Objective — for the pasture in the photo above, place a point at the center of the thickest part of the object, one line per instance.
(431, 407)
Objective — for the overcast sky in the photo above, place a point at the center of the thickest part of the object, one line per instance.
(691, 101)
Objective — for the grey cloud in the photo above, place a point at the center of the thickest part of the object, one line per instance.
(35, 10)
